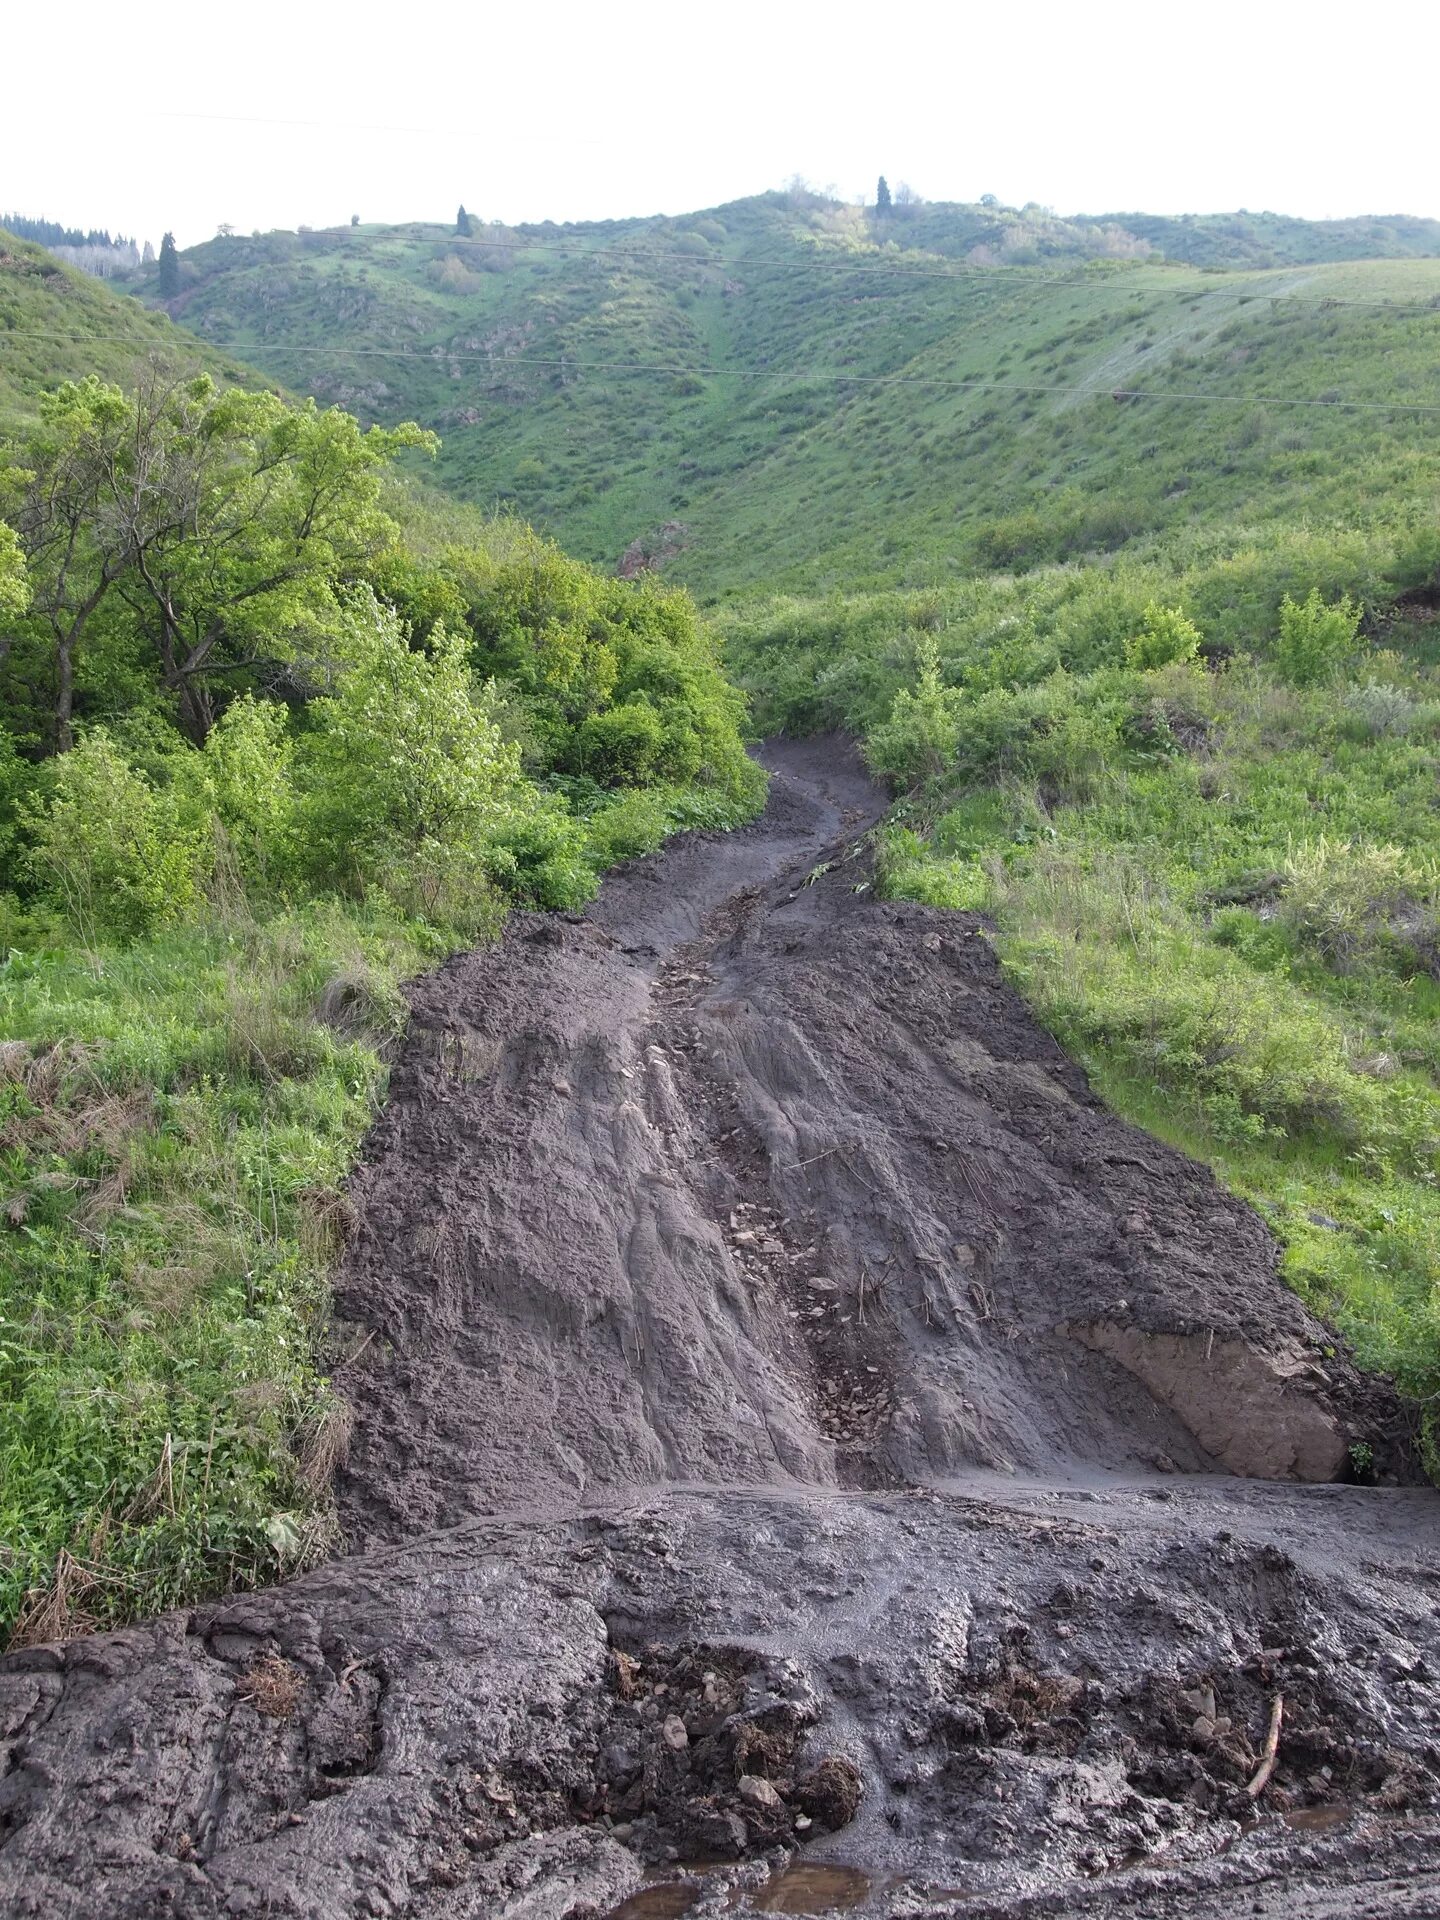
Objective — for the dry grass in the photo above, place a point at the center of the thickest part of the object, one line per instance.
(326, 1218)
(59, 1610)
(273, 1686)
(325, 1444)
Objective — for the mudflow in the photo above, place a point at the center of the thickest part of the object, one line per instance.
(807, 1456)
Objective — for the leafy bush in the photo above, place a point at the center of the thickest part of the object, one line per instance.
(247, 764)
(14, 587)
(1318, 642)
(626, 827)
(538, 854)
(922, 734)
(622, 746)
(1165, 636)
(403, 759)
(117, 853)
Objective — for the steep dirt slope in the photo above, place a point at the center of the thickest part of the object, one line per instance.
(790, 1413)
(748, 1178)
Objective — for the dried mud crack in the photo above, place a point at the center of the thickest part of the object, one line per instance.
(808, 1454)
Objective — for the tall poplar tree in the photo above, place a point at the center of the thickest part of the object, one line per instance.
(169, 268)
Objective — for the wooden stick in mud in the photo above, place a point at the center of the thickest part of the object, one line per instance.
(1272, 1747)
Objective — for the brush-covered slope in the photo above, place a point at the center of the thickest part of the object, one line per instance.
(784, 391)
(57, 324)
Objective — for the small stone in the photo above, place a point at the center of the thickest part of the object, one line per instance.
(674, 1735)
(758, 1791)
(563, 1088)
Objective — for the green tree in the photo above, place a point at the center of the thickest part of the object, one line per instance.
(169, 268)
(223, 523)
(464, 226)
(882, 195)
(61, 495)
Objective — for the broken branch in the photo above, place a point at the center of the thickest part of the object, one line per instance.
(1272, 1747)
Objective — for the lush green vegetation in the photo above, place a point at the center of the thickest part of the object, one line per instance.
(274, 733)
(811, 397)
(1199, 799)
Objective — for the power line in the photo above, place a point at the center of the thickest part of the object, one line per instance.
(838, 376)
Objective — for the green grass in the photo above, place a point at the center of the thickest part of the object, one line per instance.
(177, 1120)
(1198, 895)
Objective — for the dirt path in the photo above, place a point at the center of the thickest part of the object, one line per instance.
(789, 1410)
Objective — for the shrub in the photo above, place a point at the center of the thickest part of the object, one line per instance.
(1357, 902)
(1164, 637)
(247, 766)
(622, 746)
(111, 848)
(404, 759)
(537, 854)
(922, 734)
(1376, 709)
(14, 588)
(1318, 641)
(630, 825)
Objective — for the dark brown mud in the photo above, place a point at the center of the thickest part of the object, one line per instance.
(791, 1414)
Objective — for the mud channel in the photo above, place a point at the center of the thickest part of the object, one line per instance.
(808, 1457)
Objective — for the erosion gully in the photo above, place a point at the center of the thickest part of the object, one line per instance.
(808, 1456)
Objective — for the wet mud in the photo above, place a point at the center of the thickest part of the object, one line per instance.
(809, 1456)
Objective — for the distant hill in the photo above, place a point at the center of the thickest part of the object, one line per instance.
(59, 324)
(792, 392)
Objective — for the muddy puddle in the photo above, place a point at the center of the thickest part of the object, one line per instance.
(801, 1886)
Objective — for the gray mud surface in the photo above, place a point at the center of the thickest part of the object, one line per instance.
(808, 1456)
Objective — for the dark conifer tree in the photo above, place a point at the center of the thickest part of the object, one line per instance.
(882, 195)
(169, 268)
(463, 226)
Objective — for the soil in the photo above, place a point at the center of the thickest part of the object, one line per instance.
(808, 1456)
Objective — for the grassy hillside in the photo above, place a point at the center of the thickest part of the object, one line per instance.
(786, 393)
(58, 324)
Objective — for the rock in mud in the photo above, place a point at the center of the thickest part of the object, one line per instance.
(831, 1792)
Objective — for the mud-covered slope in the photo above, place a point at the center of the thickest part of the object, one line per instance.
(791, 1413)
(747, 1177)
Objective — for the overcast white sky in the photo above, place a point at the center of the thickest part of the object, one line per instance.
(597, 111)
